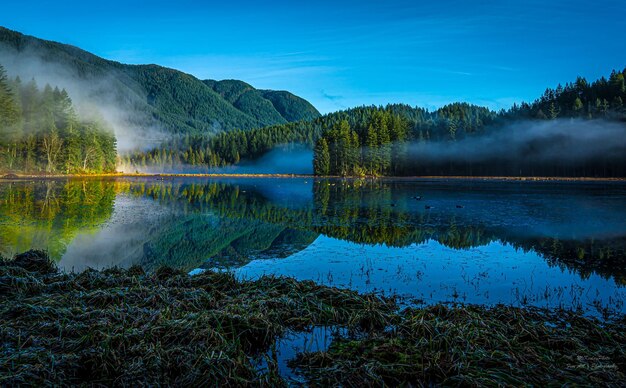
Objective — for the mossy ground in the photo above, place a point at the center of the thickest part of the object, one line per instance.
(126, 327)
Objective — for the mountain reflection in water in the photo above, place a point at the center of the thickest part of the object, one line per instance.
(542, 243)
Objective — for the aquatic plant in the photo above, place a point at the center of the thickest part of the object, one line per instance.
(476, 346)
(129, 327)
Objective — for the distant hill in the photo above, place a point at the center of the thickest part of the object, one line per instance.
(573, 130)
(267, 106)
(150, 95)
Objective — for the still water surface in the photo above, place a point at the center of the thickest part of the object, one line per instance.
(555, 244)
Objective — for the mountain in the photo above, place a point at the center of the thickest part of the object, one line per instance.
(573, 130)
(149, 96)
(268, 106)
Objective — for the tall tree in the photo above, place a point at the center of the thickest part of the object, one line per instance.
(46, 135)
(52, 145)
(321, 161)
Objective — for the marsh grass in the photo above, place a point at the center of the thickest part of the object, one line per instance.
(476, 346)
(128, 327)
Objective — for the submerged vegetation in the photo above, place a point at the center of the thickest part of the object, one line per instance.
(130, 327)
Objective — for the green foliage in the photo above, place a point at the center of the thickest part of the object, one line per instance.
(291, 107)
(167, 98)
(223, 149)
(321, 162)
(384, 133)
(258, 120)
(40, 132)
(49, 214)
(9, 111)
(373, 147)
(579, 99)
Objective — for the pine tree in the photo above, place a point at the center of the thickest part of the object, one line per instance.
(578, 105)
(321, 160)
(617, 82)
(617, 103)
(9, 113)
(553, 111)
(370, 151)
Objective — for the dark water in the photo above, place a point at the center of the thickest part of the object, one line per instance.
(538, 243)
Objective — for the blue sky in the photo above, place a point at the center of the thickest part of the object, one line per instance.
(343, 54)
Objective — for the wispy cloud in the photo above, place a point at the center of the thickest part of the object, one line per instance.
(342, 54)
(252, 67)
(331, 97)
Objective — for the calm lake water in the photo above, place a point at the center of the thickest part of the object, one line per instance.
(537, 243)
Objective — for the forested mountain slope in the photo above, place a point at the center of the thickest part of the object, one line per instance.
(149, 95)
(572, 130)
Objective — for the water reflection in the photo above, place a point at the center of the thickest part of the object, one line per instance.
(50, 214)
(552, 234)
(431, 272)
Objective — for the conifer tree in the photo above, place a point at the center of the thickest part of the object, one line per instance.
(321, 160)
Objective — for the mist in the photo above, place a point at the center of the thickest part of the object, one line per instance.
(109, 95)
(576, 147)
(572, 145)
(282, 159)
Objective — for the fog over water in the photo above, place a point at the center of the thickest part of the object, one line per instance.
(545, 142)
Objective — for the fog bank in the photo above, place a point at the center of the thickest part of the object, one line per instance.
(110, 95)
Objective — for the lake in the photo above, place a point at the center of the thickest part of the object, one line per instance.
(547, 244)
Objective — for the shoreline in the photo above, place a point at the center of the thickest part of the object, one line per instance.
(169, 328)
(18, 177)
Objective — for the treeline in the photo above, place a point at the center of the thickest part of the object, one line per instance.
(223, 149)
(398, 140)
(40, 132)
(374, 149)
(377, 144)
(227, 148)
(603, 98)
(376, 140)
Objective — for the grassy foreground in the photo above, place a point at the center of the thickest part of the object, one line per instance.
(126, 327)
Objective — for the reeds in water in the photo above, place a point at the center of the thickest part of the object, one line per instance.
(128, 327)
